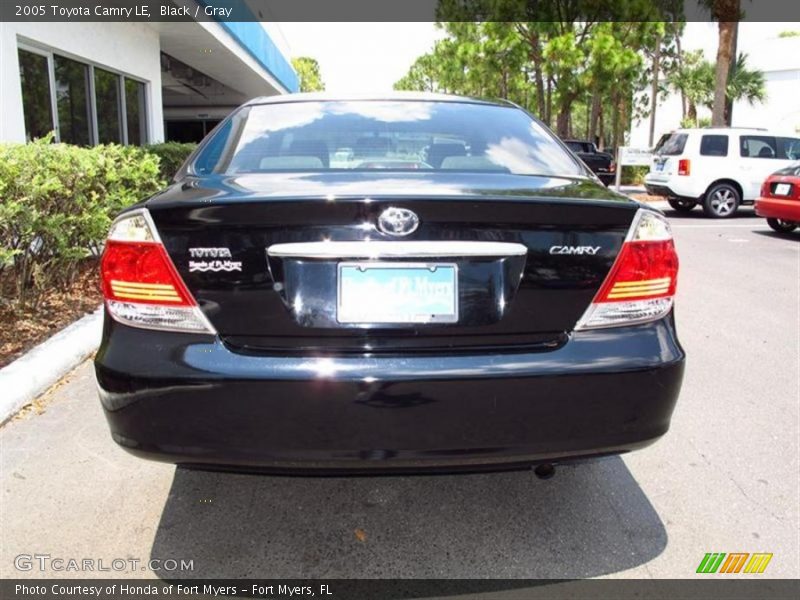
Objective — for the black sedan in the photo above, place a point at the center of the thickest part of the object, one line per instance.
(402, 283)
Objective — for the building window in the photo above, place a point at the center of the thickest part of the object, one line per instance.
(135, 111)
(92, 105)
(189, 130)
(106, 91)
(72, 101)
(34, 74)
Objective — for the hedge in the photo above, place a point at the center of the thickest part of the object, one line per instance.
(172, 155)
(57, 202)
(633, 175)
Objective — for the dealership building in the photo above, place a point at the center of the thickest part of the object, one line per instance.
(134, 82)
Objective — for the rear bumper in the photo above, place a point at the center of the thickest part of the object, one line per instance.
(776, 208)
(190, 400)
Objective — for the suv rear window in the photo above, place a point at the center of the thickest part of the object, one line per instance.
(714, 145)
(365, 135)
(671, 144)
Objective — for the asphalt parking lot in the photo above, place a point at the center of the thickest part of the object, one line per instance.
(726, 477)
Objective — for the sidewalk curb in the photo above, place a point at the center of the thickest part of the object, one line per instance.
(35, 371)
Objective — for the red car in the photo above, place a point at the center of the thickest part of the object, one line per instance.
(780, 199)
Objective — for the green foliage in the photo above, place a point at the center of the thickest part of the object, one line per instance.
(171, 156)
(308, 73)
(576, 74)
(746, 84)
(56, 204)
(633, 174)
(695, 80)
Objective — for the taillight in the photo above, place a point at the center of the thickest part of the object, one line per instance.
(612, 168)
(140, 283)
(641, 284)
(684, 166)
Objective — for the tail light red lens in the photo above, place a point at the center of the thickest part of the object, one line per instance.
(141, 272)
(641, 284)
(684, 166)
(642, 270)
(141, 286)
(612, 168)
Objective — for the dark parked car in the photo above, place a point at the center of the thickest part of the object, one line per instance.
(280, 308)
(601, 163)
(780, 199)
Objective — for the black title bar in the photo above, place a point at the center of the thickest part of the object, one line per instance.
(782, 11)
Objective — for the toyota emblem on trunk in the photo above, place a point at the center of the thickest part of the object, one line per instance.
(398, 221)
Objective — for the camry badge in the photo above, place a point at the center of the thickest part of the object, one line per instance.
(398, 221)
(579, 250)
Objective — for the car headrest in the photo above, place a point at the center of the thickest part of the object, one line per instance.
(438, 152)
(316, 148)
(471, 163)
(371, 146)
(766, 152)
(290, 163)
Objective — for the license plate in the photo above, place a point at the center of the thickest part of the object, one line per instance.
(390, 293)
(782, 189)
(659, 166)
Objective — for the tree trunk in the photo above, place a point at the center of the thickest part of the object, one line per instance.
(679, 50)
(654, 91)
(536, 58)
(615, 118)
(601, 132)
(691, 113)
(731, 74)
(588, 118)
(724, 55)
(548, 112)
(594, 116)
(562, 123)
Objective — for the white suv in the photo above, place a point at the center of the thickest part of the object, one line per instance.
(719, 168)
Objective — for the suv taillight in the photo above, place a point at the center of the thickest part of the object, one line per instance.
(684, 166)
(641, 284)
(140, 284)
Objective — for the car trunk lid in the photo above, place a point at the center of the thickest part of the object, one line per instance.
(529, 254)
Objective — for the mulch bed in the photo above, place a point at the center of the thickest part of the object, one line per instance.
(23, 328)
(646, 197)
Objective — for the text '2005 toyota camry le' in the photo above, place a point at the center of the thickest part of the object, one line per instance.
(401, 283)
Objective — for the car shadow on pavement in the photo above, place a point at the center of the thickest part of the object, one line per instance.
(590, 519)
(696, 213)
(791, 238)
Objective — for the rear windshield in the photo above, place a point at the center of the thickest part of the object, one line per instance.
(384, 135)
(671, 144)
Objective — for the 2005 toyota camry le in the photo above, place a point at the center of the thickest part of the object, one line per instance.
(408, 282)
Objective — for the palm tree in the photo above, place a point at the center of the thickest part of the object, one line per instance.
(694, 79)
(727, 13)
(745, 84)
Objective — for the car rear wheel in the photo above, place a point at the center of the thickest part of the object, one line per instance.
(721, 201)
(781, 226)
(682, 205)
